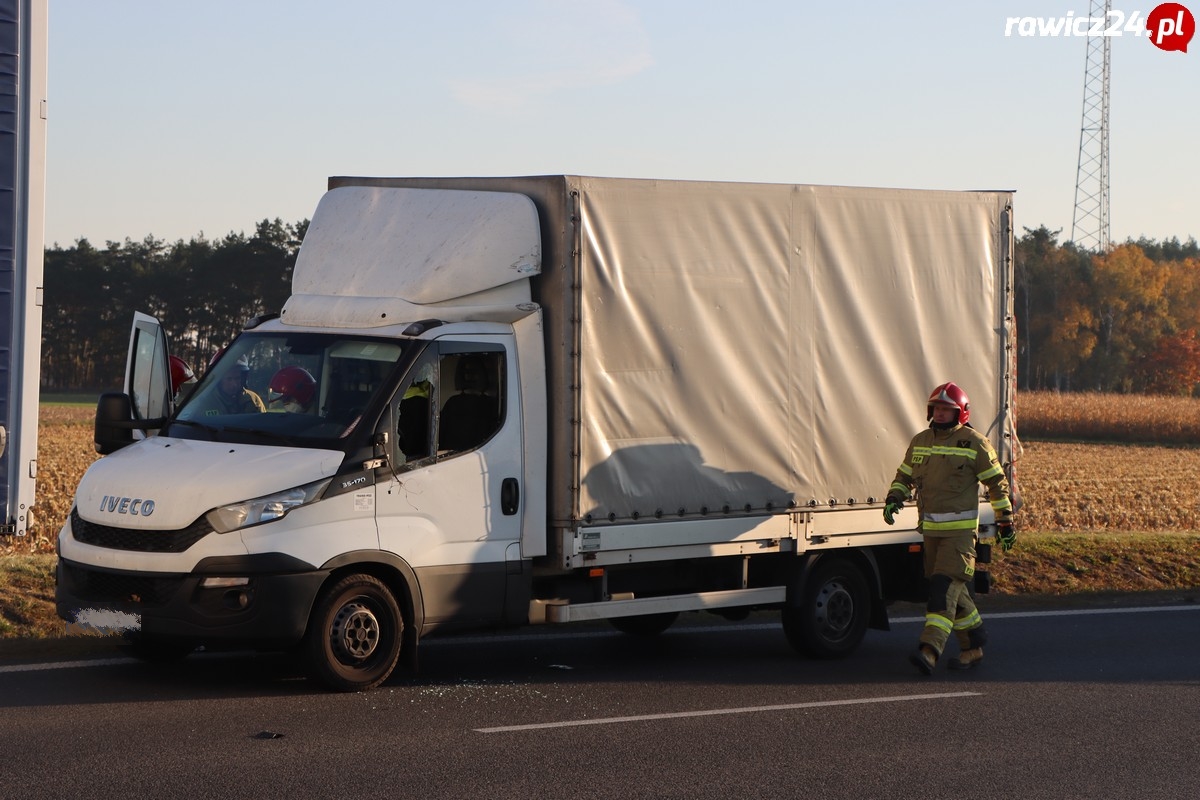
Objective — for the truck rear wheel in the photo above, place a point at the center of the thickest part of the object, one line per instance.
(354, 635)
(833, 614)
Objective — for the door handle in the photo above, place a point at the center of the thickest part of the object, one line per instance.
(510, 496)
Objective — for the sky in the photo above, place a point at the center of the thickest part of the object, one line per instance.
(176, 120)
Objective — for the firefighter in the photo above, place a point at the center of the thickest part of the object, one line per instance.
(943, 468)
(292, 389)
(231, 395)
(181, 376)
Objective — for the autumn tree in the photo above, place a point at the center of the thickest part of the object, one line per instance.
(1183, 293)
(1173, 367)
(1130, 313)
(1055, 322)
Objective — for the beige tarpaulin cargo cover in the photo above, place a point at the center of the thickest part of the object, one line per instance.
(718, 347)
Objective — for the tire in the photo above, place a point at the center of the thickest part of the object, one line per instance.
(354, 635)
(833, 614)
(646, 625)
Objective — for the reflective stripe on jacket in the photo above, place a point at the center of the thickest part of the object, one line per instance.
(943, 469)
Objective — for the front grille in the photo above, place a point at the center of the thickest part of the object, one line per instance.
(111, 587)
(142, 541)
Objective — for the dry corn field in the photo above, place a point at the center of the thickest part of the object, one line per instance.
(1133, 418)
(65, 451)
(1104, 487)
(1095, 462)
(1066, 486)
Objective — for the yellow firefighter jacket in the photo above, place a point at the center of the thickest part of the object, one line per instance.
(944, 468)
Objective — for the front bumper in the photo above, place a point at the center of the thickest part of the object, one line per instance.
(269, 611)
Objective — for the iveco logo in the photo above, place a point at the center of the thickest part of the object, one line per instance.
(355, 482)
(127, 505)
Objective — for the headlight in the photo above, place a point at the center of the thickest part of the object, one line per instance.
(263, 509)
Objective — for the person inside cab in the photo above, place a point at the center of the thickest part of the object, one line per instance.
(232, 395)
(183, 380)
(292, 389)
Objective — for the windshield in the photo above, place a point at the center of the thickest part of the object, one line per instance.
(301, 388)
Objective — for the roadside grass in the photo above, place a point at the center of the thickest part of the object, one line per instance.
(78, 399)
(27, 597)
(1068, 563)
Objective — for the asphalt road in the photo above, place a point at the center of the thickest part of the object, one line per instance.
(1071, 702)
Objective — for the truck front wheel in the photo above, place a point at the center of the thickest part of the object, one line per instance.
(354, 635)
(833, 613)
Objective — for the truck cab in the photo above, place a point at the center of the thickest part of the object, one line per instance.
(307, 471)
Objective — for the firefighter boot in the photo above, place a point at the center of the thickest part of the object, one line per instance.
(970, 643)
(967, 659)
(924, 658)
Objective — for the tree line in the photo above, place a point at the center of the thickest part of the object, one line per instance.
(201, 291)
(1123, 321)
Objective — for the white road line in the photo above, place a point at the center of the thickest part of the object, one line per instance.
(1076, 612)
(1087, 612)
(725, 711)
(91, 662)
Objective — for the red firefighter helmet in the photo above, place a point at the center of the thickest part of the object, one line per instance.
(181, 374)
(215, 357)
(291, 386)
(950, 394)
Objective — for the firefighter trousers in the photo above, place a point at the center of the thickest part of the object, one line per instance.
(950, 568)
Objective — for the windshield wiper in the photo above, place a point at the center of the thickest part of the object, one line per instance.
(271, 435)
(215, 430)
(194, 424)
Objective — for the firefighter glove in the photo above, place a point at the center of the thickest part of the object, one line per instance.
(890, 508)
(1005, 535)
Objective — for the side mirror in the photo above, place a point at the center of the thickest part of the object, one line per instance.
(114, 418)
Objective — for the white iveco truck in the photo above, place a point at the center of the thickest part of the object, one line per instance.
(508, 401)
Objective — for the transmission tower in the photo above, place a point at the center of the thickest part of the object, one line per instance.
(1089, 225)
